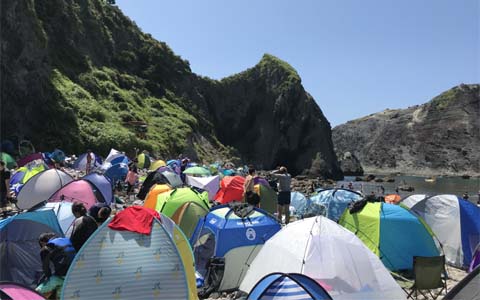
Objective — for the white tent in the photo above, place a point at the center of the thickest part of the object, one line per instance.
(329, 254)
(211, 184)
(411, 200)
(41, 187)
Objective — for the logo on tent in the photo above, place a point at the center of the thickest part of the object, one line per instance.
(213, 221)
(251, 234)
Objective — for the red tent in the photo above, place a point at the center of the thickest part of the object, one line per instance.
(231, 189)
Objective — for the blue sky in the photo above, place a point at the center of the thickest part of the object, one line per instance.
(355, 57)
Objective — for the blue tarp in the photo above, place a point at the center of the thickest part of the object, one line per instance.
(335, 201)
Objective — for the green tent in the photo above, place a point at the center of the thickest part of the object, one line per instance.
(268, 198)
(187, 216)
(168, 203)
(197, 171)
(8, 159)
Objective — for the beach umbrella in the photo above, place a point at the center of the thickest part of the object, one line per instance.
(157, 164)
(8, 160)
(197, 171)
(143, 161)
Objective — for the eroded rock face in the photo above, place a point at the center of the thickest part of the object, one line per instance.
(76, 74)
(350, 164)
(438, 137)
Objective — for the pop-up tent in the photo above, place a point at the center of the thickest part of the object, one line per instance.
(329, 254)
(236, 236)
(16, 291)
(411, 200)
(102, 184)
(10, 163)
(24, 174)
(116, 172)
(391, 232)
(144, 161)
(455, 222)
(231, 189)
(163, 175)
(131, 256)
(78, 191)
(63, 211)
(281, 286)
(19, 248)
(335, 201)
(41, 187)
(211, 184)
(151, 198)
(81, 162)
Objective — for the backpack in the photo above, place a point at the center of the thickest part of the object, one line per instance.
(61, 255)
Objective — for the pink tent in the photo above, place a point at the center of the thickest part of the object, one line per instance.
(76, 191)
(18, 292)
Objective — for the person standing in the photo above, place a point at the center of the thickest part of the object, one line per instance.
(83, 226)
(249, 194)
(4, 184)
(131, 179)
(284, 181)
(90, 159)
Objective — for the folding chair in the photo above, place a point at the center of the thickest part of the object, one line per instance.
(428, 275)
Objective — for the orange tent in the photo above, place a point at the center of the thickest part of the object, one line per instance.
(393, 198)
(231, 189)
(151, 198)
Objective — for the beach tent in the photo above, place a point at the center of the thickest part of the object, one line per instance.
(29, 158)
(467, 288)
(392, 232)
(117, 172)
(231, 189)
(168, 203)
(131, 256)
(41, 187)
(175, 164)
(411, 200)
(157, 164)
(334, 200)
(63, 211)
(163, 175)
(151, 198)
(24, 174)
(475, 259)
(16, 291)
(281, 286)
(10, 163)
(144, 161)
(78, 191)
(102, 184)
(197, 171)
(329, 254)
(211, 184)
(19, 248)
(234, 235)
(455, 222)
(187, 216)
(268, 197)
(81, 162)
(299, 204)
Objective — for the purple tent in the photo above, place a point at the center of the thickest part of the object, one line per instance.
(260, 180)
(103, 185)
(475, 259)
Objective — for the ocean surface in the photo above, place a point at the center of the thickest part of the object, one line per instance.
(442, 185)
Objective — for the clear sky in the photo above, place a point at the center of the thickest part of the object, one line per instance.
(355, 57)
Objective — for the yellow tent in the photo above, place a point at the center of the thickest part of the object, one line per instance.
(157, 164)
(151, 198)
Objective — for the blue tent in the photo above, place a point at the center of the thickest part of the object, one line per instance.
(117, 172)
(335, 201)
(102, 184)
(300, 203)
(19, 249)
(81, 162)
(280, 286)
(119, 160)
(237, 238)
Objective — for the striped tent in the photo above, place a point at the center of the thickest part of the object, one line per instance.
(280, 286)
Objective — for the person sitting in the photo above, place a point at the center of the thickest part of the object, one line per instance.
(59, 253)
(83, 226)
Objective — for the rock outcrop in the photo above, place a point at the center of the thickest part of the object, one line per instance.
(78, 74)
(438, 137)
(350, 164)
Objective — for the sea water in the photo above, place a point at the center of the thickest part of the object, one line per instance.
(442, 185)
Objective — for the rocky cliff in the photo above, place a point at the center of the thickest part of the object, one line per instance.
(438, 137)
(78, 74)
